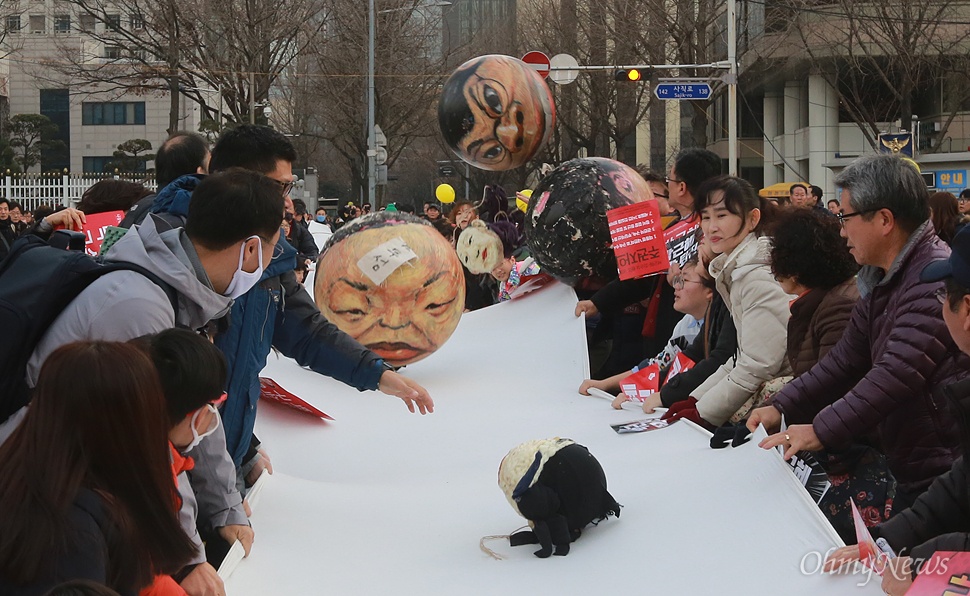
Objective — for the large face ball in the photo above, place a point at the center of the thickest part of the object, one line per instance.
(400, 306)
(566, 226)
(496, 112)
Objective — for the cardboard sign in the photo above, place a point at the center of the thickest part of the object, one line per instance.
(382, 261)
(638, 241)
(642, 383)
(945, 574)
(271, 391)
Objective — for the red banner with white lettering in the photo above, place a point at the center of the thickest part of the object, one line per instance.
(638, 240)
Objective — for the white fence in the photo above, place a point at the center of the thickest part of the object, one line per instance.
(33, 190)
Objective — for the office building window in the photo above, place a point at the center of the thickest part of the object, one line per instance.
(96, 163)
(56, 105)
(38, 24)
(13, 24)
(113, 52)
(87, 23)
(112, 22)
(62, 23)
(137, 22)
(115, 112)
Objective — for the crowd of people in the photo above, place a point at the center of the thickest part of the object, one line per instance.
(844, 331)
(841, 327)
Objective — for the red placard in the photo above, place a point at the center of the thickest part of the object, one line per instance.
(638, 241)
(642, 383)
(271, 391)
(679, 364)
(945, 574)
(530, 283)
(93, 229)
(538, 61)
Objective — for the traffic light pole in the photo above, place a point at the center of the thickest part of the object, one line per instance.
(732, 86)
(371, 132)
(730, 79)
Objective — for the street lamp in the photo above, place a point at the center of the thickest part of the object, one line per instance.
(371, 132)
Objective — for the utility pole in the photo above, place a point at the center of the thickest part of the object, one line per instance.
(371, 133)
(732, 86)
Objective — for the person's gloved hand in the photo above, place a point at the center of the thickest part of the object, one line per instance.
(687, 409)
(736, 435)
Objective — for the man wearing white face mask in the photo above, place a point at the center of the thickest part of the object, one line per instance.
(234, 220)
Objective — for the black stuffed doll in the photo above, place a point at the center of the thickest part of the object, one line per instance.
(559, 487)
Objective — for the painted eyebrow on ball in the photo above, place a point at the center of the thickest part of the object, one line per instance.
(438, 276)
(355, 285)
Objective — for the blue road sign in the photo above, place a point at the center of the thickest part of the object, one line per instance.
(682, 91)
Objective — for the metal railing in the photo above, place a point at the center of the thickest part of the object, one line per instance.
(34, 190)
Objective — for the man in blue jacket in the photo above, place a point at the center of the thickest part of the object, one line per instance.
(277, 312)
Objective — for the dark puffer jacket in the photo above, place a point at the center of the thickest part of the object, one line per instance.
(940, 518)
(817, 321)
(884, 378)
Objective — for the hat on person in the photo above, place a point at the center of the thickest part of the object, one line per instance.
(957, 266)
(434, 206)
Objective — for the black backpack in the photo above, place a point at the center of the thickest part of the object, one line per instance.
(38, 280)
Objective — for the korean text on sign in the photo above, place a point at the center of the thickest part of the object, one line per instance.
(638, 241)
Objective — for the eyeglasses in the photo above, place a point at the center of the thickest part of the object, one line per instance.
(963, 199)
(844, 216)
(661, 195)
(679, 281)
(668, 180)
(941, 294)
(286, 187)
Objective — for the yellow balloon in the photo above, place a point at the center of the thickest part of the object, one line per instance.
(523, 204)
(914, 164)
(445, 193)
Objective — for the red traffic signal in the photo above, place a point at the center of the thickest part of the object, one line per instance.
(624, 74)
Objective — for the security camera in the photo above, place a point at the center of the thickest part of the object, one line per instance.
(267, 111)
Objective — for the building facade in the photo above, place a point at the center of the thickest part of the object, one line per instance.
(92, 119)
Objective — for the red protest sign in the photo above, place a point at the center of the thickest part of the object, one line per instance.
(638, 241)
(679, 364)
(271, 391)
(947, 572)
(642, 383)
(94, 226)
(93, 229)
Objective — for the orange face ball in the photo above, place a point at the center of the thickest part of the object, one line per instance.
(402, 307)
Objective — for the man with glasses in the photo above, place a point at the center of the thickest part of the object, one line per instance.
(285, 314)
(882, 382)
(277, 313)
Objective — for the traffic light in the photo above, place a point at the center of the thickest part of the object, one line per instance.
(625, 74)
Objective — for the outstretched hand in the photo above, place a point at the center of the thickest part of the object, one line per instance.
(407, 390)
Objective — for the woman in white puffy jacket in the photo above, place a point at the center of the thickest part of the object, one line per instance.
(733, 217)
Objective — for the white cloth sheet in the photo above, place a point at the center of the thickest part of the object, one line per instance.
(381, 501)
